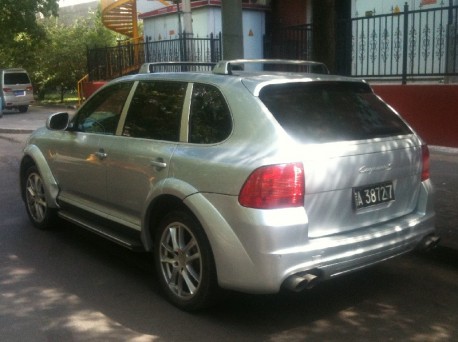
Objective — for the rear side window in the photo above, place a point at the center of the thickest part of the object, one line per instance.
(12, 78)
(210, 119)
(331, 111)
(155, 111)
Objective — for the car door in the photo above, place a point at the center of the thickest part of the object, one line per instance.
(139, 159)
(79, 160)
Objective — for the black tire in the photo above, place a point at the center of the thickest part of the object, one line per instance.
(41, 215)
(23, 109)
(184, 262)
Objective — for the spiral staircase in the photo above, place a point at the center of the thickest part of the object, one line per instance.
(119, 16)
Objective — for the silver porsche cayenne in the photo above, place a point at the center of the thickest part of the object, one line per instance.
(233, 179)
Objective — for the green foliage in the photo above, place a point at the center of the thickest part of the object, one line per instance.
(57, 58)
(18, 20)
(55, 98)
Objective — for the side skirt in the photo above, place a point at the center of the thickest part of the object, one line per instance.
(124, 236)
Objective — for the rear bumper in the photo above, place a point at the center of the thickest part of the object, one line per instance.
(332, 256)
(337, 255)
(16, 101)
(257, 251)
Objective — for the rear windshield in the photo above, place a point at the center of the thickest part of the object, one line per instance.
(331, 111)
(16, 78)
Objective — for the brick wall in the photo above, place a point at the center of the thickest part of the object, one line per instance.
(432, 110)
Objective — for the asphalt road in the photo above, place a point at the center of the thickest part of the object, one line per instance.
(69, 285)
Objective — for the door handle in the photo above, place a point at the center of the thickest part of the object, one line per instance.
(159, 163)
(101, 154)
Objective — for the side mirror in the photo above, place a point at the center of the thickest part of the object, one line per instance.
(58, 121)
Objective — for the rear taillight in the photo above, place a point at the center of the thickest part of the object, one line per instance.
(425, 162)
(7, 90)
(274, 186)
(29, 89)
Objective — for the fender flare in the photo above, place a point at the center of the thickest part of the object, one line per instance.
(50, 184)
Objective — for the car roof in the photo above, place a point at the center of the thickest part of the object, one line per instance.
(253, 81)
(13, 70)
(244, 71)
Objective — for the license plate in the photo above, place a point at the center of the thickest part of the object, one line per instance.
(19, 92)
(370, 195)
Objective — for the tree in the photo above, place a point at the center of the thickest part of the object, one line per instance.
(60, 60)
(18, 20)
(54, 54)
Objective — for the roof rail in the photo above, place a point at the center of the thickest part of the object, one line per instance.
(226, 67)
(153, 67)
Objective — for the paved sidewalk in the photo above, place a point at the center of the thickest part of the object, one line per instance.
(444, 174)
(15, 122)
(444, 168)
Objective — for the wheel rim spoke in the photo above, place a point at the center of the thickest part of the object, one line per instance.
(35, 197)
(181, 260)
(185, 275)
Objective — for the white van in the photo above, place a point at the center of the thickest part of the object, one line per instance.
(16, 89)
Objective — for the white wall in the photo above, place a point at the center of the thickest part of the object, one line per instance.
(360, 7)
(254, 28)
(207, 20)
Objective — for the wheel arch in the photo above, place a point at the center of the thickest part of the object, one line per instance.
(157, 210)
(33, 156)
(225, 246)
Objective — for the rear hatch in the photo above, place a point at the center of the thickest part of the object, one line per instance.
(16, 83)
(362, 162)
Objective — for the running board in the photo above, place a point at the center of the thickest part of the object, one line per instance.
(115, 236)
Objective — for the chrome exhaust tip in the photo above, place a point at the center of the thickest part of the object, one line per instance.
(429, 242)
(298, 283)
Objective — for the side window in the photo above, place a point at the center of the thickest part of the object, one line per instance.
(155, 111)
(210, 119)
(102, 112)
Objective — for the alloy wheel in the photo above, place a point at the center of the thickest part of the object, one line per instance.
(181, 260)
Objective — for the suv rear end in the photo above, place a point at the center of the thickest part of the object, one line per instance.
(16, 89)
(335, 181)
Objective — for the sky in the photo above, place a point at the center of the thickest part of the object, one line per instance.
(142, 5)
(63, 3)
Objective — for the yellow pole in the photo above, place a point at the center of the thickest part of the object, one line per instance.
(134, 20)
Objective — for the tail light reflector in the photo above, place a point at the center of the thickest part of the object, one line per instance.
(274, 186)
(425, 162)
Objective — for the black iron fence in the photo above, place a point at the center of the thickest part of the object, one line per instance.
(111, 62)
(408, 44)
(292, 42)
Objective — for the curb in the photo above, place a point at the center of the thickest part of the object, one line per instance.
(16, 131)
(443, 149)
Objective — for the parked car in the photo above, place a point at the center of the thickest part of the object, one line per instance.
(16, 89)
(249, 181)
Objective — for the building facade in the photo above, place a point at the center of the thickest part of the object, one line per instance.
(409, 39)
(167, 23)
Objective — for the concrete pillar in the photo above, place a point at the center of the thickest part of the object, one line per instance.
(231, 12)
(187, 18)
(324, 32)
